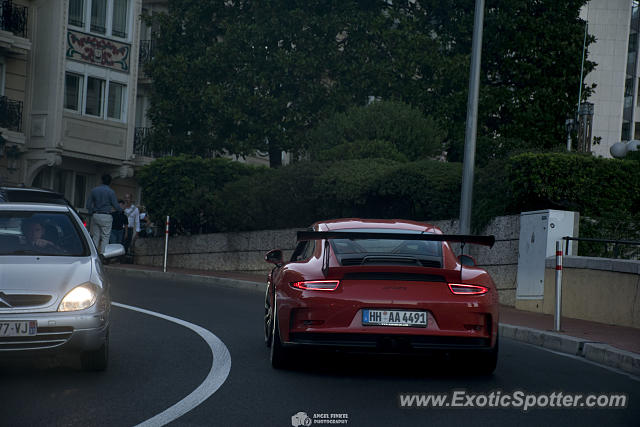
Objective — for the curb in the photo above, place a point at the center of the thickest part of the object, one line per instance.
(611, 356)
(192, 278)
(600, 353)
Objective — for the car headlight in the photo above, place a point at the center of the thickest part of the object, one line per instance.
(79, 298)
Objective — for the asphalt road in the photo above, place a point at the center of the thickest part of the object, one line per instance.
(155, 363)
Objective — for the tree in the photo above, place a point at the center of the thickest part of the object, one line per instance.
(243, 76)
(531, 58)
(248, 75)
(384, 129)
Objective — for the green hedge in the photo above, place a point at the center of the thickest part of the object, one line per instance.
(591, 185)
(595, 187)
(606, 192)
(222, 195)
(302, 193)
(270, 199)
(185, 187)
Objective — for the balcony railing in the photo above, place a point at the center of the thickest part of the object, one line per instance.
(141, 143)
(10, 114)
(146, 51)
(141, 146)
(13, 18)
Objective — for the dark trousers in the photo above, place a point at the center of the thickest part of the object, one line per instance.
(127, 240)
(116, 236)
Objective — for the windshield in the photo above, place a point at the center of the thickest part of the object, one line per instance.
(367, 251)
(40, 233)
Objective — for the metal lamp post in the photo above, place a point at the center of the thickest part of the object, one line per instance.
(472, 121)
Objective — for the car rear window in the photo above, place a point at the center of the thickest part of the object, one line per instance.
(387, 251)
(40, 233)
(34, 196)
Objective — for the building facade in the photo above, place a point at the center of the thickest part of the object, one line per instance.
(69, 74)
(616, 27)
(15, 54)
(74, 94)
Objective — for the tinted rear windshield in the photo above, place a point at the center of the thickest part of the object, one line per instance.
(41, 233)
(31, 196)
(387, 251)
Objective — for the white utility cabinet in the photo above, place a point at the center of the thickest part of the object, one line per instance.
(539, 231)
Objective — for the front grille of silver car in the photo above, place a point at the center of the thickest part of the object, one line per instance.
(23, 300)
(47, 337)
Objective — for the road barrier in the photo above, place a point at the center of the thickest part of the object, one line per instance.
(166, 245)
(558, 312)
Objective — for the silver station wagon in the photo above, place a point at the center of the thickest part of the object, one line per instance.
(54, 296)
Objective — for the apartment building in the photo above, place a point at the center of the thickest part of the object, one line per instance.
(74, 94)
(69, 72)
(15, 52)
(616, 26)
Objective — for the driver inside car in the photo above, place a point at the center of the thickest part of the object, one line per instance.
(33, 232)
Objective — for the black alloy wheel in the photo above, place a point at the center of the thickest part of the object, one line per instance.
(268, 319)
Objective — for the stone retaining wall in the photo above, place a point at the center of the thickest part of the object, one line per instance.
(244, 251)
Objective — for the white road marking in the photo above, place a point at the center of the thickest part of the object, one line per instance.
(220, 368)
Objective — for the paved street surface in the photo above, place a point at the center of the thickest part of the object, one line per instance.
(155, 363)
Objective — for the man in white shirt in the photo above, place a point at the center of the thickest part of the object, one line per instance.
(133, 226)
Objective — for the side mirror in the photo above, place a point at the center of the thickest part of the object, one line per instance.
(274, 257)
(113, 250)
(467, 260)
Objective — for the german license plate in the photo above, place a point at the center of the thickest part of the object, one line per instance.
(19, 328)
(394, 318)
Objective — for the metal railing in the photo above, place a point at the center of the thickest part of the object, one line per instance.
(141, 143)
(146, 52)
(615, 247)
(10, 114)
(13, 18)
(142, 147)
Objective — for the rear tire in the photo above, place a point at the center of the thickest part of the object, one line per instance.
(279, 354)
(96, 360)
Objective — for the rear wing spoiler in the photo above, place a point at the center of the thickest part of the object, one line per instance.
(459, 238)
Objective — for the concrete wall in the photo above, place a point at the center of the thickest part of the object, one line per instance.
(244, 251)
(597, 289)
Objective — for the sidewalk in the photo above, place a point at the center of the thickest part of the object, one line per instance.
(610, 345)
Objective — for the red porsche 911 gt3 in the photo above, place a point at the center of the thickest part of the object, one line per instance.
(387, 286)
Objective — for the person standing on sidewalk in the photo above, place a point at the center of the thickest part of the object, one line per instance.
(119, 224)
(102, 201)
(133, 227)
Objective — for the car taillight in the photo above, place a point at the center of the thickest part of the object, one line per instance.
(317, 285)
(460, 289)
